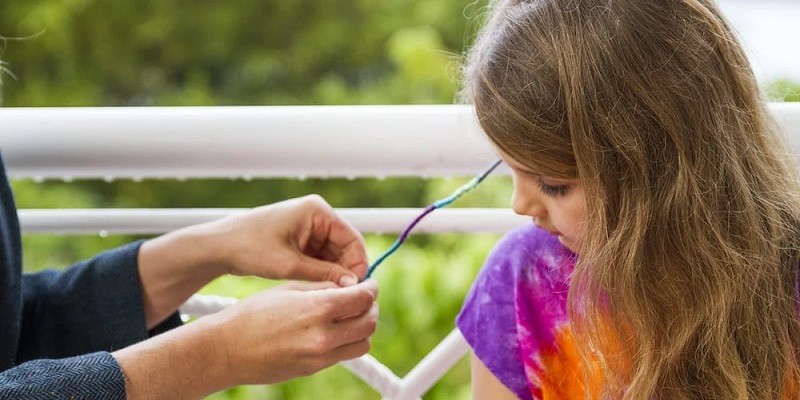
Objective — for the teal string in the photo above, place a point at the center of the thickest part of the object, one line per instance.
(429, 209)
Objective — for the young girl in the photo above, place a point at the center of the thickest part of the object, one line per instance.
(663, 263)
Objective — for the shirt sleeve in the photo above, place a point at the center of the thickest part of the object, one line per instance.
(91, 376)
(95, 305)
(488, 320)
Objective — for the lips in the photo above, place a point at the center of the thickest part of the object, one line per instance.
(550, 231)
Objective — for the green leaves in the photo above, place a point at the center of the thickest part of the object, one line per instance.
(245, 52)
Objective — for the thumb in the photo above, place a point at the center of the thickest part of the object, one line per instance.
(314, 269)
(307, 286)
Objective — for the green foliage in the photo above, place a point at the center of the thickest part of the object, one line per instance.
(237, 52)
(247, 52)
(783, 90)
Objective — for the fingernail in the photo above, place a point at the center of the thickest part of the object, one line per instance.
(347, 280)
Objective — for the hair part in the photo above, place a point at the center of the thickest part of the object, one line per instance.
(693, 237)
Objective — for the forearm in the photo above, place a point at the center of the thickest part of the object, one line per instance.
(184, 363)
(173, 267)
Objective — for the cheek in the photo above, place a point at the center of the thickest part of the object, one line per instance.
(578, 217)
(573, 217)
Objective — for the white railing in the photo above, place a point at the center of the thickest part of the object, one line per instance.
(242, 142)
(154, 221)
(257, 142)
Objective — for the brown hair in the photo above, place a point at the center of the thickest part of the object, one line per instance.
(691, 250)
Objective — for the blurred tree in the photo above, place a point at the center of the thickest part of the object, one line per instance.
(247, 52)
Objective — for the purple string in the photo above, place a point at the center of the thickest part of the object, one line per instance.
(439, 204)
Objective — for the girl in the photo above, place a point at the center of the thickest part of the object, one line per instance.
(664, 261)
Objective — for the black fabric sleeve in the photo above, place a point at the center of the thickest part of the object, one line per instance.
(95, 305)
(91, 376)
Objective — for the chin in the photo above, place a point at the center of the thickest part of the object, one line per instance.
(569, 244)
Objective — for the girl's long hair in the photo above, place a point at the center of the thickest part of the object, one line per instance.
(690, 256)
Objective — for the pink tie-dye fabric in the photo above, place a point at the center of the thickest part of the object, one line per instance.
(515, 319)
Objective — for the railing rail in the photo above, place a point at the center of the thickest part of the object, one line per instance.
(250, 142)
(242, 142)
(156, 221)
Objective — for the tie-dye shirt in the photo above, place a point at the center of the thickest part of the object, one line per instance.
(515, 317)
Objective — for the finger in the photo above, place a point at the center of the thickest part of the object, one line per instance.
(314, 269)
(327, 253)
(370, 286)
(352, 256)
(316, 245)
(349, 301)
(308, 286)
(349, 351)
(348, 244)
(356, 328)
(334, 239)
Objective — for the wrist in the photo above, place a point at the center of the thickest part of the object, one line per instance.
(208, 252)
(191, 251)
(180, 364)
(212, 344)
(173, 267)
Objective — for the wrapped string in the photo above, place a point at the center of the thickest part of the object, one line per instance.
(429, 209)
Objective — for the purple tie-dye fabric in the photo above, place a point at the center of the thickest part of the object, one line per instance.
(516, 306)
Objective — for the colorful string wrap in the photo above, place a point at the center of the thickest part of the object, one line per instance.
(429, 209)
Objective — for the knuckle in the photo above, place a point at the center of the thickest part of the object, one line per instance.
(315, 201)
(294, 264)
(320, 344)
(327, 275)
(373, 317)
(325, 307)
(371, 327)
(368, 297)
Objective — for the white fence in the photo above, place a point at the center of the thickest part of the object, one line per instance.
(256, 142)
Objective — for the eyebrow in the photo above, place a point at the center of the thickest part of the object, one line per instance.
(523, 169)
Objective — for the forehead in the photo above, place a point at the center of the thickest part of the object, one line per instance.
(516, 165)
(510, 161)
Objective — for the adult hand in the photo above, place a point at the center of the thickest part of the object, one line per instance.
(295, 330)
(282, 333)
(300, 239)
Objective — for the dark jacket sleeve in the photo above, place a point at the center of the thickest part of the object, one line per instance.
(91, 376)
(95, 305)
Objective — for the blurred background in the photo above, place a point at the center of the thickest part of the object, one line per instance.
(295, 52)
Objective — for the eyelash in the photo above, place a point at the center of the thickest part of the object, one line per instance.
(549, 190)
(553, 191)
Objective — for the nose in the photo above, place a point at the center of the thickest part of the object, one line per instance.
(527, 204)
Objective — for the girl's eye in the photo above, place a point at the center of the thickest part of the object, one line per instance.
(546, 188)
(553, 190)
